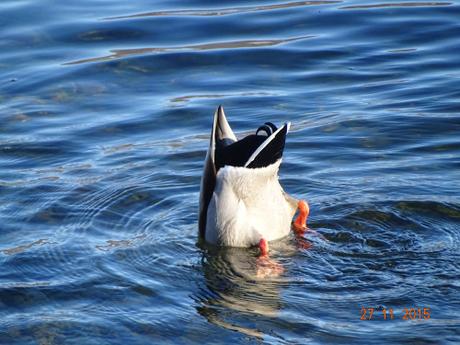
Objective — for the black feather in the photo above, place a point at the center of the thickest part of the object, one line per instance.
(238, 153)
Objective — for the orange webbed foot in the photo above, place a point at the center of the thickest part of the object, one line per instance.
(265, 266)
(263, 247)
(300, 224)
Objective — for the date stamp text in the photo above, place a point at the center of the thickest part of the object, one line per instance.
(412, 313)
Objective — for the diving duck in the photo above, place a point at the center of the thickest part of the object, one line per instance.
(242, 203)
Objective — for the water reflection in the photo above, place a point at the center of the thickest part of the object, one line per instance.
(226, 11)
(235, 295)
(121, 53)
(399, 4)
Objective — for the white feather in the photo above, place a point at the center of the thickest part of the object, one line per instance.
(247, 205)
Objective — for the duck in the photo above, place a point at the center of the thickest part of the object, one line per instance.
(242, 203)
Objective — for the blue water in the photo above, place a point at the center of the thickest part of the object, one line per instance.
(106, 108)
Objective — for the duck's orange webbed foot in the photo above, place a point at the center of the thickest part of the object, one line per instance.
(300, 224)
(265, 266)
(263, 247)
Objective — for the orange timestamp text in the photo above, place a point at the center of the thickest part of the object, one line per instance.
(412, 313)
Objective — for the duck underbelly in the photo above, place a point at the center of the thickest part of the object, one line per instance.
(271, 224)
(237, 224)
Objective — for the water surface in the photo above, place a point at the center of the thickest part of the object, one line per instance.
(106, 110)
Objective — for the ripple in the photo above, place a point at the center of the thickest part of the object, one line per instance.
(397, 4)
(183, 99)
(403, 50)
(227, 10)
(101, 163)
(126, 243)
(24, 247)
(121, 53)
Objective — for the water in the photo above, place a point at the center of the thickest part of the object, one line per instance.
(106, 108)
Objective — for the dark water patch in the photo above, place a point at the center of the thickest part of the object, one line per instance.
(109, 35)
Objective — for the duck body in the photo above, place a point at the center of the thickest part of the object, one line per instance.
(248, 205)
(241, 199)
